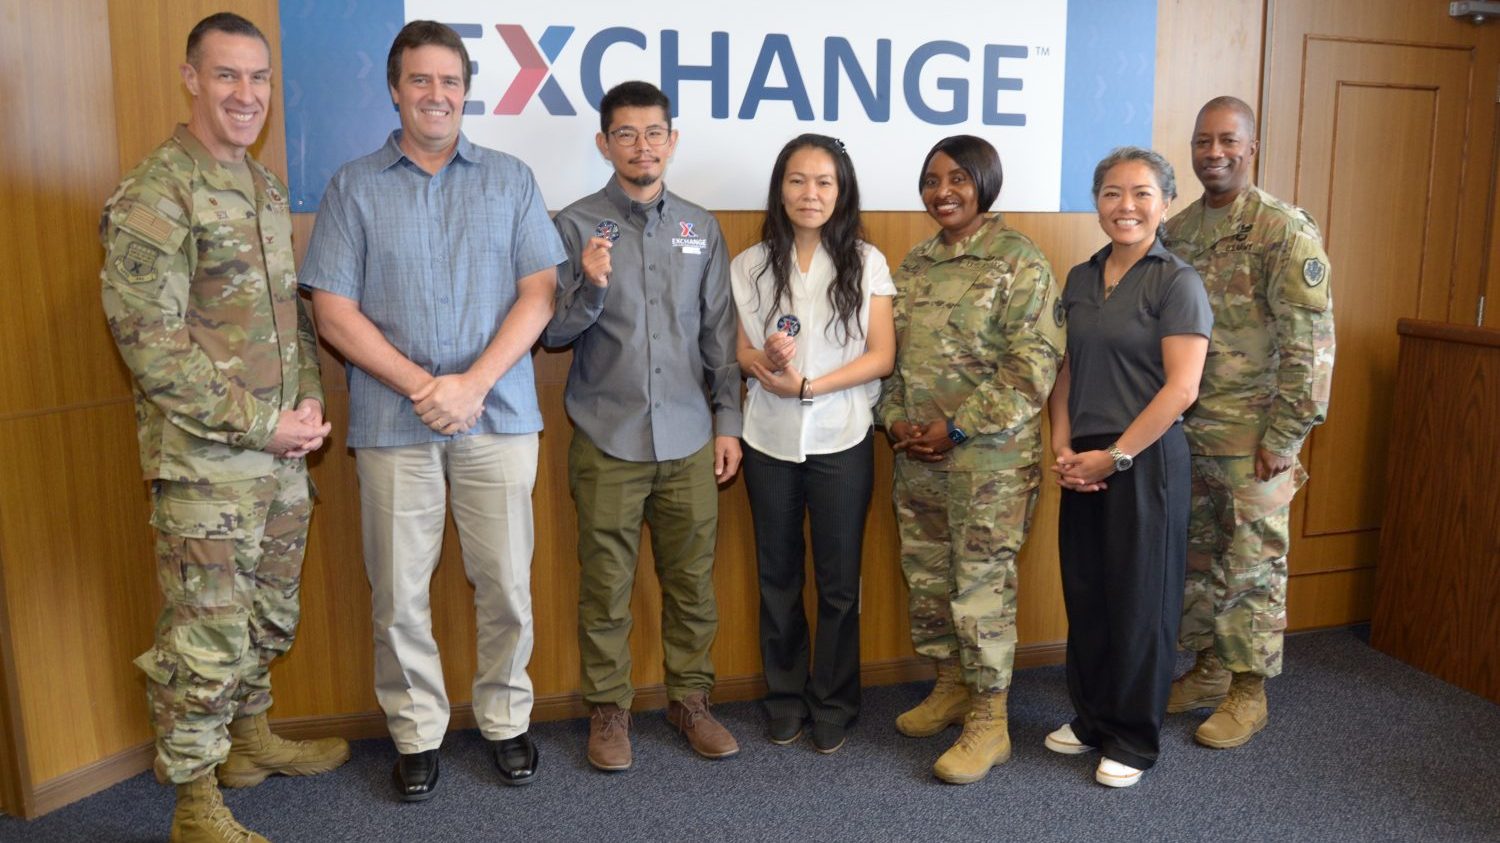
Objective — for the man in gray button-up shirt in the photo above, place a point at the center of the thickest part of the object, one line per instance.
(654, 391)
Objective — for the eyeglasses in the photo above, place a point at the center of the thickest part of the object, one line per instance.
(630, 135)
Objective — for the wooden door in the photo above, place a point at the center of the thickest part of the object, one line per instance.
(1377, 119)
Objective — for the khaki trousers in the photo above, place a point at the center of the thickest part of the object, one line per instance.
(404, 492)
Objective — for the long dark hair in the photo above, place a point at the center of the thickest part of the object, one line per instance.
(841, 236)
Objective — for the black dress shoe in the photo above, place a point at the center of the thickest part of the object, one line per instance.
(827, 738)
(516, 757)
(785, 730)
(417, 775)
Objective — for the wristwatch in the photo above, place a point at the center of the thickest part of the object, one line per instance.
(1123, 461)
(956, 434)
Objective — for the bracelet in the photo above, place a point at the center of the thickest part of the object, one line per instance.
(805, 395)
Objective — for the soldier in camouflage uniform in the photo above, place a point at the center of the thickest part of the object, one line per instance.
(979, 338)
(200, 292)
(1265, 385)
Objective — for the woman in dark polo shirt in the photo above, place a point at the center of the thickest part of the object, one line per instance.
(1138, 327)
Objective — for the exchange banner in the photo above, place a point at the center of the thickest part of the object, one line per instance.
(1053, 85)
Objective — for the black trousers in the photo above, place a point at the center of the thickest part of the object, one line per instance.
(833, 490)
(1124, 554)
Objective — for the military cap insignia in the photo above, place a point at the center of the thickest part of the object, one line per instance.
(137, 262)
(1059, 313)
(1314, 271)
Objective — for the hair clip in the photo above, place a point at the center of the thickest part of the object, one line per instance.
(840, 144)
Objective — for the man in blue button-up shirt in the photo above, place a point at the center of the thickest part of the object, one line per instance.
(433, 266)
(645, 303)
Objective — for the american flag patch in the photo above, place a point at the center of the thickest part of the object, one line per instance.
(149, 224)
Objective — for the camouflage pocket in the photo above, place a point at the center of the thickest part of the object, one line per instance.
(1254, 500)
(196, 550)
(159, 666)
(211, 649)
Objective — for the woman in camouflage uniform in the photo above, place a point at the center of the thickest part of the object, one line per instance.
(979, 339)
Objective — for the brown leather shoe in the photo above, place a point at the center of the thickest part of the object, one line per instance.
(707, 736)
(609, 738)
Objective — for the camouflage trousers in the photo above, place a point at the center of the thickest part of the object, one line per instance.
(1235, 598)
(960, 534)
(229, 563)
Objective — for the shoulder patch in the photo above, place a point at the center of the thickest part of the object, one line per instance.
(137, 261)
(1314, 271)
(149, 224)
(1059, 313)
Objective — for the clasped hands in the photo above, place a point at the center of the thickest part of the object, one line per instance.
(1083, 472)
(299, 432)
(450, 404)
(921, 442)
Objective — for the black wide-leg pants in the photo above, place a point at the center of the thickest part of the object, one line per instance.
(833, 490)
(1124, 554)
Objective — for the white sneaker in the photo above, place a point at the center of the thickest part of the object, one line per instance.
(1064, 741)
(1114, 774)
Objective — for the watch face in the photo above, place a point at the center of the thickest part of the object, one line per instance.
(1123, 463)
(957, 436)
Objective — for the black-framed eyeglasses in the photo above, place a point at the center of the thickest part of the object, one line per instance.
(630, 135)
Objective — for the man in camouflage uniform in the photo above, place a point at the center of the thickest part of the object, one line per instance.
(1265, 385)
(201, 295)
(979, 339)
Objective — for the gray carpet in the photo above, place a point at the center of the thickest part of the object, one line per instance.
(1359, 747)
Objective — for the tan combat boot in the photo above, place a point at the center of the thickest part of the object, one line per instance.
(984, 743)
(201, 816)
(945, 705)
(1239, 717)
(255, 753)
(1203, 686)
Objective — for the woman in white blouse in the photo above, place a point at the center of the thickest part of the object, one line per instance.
(816, 336)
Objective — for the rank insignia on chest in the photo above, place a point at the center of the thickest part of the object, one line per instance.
(1314, 271)
(137, 262)
(1244, 231)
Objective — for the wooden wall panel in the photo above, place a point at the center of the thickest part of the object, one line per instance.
(58, 168)
(81, 583)
(73, 530)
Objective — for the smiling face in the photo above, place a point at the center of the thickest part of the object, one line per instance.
(231, 88)
(809, 189)
(1224, 150)
(1131, 204)
(430, 97)
(951, 197)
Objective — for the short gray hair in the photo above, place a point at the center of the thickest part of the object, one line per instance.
(1166, 178)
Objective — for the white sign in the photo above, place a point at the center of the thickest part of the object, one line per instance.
(887, 78)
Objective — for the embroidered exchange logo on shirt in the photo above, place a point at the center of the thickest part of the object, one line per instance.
(689, 242)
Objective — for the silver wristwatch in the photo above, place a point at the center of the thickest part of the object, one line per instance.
(1123, 461)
